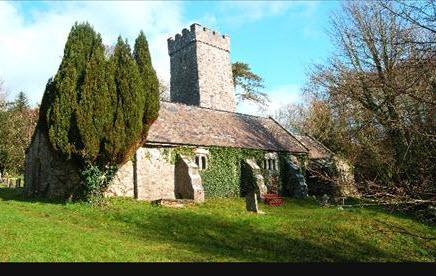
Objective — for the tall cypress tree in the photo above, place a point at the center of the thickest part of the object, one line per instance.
(65, 91)
(97, 110)
(127, 130)
(95, 105)
(150, 82)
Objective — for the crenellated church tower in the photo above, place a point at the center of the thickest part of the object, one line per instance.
(201, 72)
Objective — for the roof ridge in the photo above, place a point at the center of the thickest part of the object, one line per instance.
(217, 110)
(290, 134)
(319, 143)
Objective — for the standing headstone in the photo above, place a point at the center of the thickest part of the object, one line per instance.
(258, 177)
(325, 200)
(251, 202)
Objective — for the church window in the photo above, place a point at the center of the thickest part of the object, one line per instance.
(270, 164)
(201, 161)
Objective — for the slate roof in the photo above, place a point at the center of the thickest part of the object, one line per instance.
(316, 149)
(192, 125)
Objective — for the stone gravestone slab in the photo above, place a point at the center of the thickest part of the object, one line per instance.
(251, 202)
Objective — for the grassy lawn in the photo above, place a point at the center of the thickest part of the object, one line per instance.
(219, 230)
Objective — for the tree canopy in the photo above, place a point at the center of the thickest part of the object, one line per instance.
(150, 81)
(373, 101)
(248, 85)
(98, 107)
(17, 122)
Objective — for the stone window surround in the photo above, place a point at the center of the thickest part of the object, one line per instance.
(201, 158)
(271, 161)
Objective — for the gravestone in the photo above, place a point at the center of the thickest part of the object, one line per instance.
(325, 200)
(251, 202)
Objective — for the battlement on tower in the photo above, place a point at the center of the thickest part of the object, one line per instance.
(201, 71)
(198, 33)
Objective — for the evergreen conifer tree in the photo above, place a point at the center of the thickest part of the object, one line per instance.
(97, 109)
(21, 102)
(65, 91)
(150, 81)
(129, 107)
(95, 105)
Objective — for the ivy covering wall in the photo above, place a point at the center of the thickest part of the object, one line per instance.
(222, 178)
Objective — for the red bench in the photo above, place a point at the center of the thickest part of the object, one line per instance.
(273, 199)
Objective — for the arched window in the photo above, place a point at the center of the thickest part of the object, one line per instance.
(201, 161)
(201, 158)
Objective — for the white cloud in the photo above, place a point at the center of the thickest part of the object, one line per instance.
(279, 97)
(31, 49)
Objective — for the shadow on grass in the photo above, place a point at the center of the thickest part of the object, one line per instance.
(17, 194)
(396, 212)
(408, 215)
(245, 240)
(305, 203)
(359, 203)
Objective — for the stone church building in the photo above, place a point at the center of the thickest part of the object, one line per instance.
(199, 146)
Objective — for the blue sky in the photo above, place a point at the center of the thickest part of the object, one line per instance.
(279, 39)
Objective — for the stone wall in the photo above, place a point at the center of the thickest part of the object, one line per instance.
(149, 176)
(123, 182)
(215, 78)
(46, 173)
(297, 185)
(333, 176)
(184, 76)
(155, 175)
(201, 72)
(188, 180)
